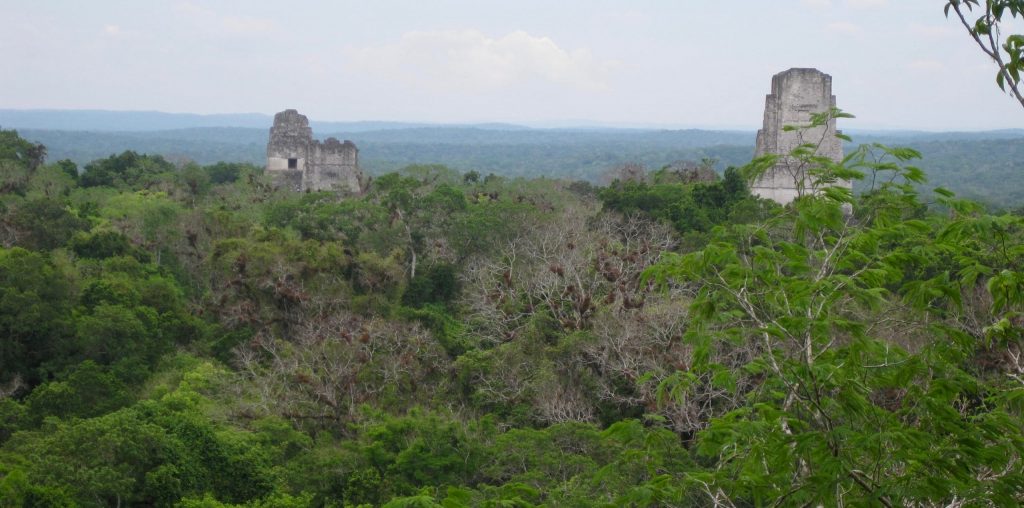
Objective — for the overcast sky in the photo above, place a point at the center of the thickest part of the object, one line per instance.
(671, 63)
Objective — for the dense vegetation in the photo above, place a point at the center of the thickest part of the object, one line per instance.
(185, 335)
(985, 166)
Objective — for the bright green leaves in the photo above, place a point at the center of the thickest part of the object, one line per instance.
(88, 391)
(1007, 290)
(437, 459)
(149, 218)
(890, 200)
(813, 406)
(1014, 47)
(989, 253)
(151, 453)
(54, 314)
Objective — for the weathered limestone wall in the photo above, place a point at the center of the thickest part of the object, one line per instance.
(331, 165)
(290, 137)
(796, 94)
(337, 166)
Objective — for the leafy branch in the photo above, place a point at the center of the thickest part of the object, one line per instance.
(985, 31)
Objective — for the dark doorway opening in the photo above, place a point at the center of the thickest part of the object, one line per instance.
(293, 163)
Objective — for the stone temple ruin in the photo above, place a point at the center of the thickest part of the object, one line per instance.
(298, 162)
(796, 94)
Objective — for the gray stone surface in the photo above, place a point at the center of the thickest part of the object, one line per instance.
(796, 94)
(297, 161)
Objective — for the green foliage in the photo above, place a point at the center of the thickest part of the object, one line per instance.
(448, 331)
(12, 418)
(148, 218)
(118, 333)
(102, 243)
(44, 223)
(16, 490)
(126, 170)
(267, 279)
(819, 421)
(436, 284)
(129, 315)
(435, 459)
(86, 392)
(121, 312)
(393, 456)
(195, 180)
(35, 313)
(275, 500)
(229, 172)
(660, 200)
(324, 217)
(455, 340)
(19, 159)
(16, 149)
(68, 168)
(689, 208)
(51, 181)
(152, 453)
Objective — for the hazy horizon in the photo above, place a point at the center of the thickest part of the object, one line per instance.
(896, 64)
(567, 124)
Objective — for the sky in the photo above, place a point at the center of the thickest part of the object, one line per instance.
(896, 64)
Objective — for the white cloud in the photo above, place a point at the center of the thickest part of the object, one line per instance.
(867, 4)
(844, 28)
(818, 4)
(211, 21)
(115, 32)
(926, 66)
(246, 25)
(470, 59)
(933, 31)
(194, 11)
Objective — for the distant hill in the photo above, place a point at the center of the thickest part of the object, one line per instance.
(987, 170)
(867, 136)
